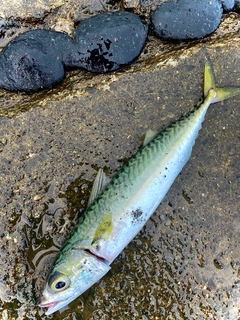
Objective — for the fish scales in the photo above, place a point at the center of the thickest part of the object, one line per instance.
(129, 177)
(124, 205)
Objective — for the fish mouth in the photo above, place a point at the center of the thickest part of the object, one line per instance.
(50, 306)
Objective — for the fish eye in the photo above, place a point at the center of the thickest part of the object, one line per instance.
(58, 282)
(60, 285)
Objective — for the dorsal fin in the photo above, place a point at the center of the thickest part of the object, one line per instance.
(150, 135)
(99, 183)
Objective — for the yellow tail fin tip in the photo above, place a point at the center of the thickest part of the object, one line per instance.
(209, 83)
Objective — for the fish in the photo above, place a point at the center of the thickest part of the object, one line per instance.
(119, 207)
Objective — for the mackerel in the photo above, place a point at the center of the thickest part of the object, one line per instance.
(119, 208)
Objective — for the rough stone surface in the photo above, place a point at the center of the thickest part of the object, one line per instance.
(131, 4)
(184, 19)
(27, 9)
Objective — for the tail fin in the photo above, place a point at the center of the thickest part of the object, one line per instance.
(209, 83)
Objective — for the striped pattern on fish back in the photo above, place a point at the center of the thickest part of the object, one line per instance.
(124, 182)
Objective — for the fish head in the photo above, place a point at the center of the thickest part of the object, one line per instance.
(73, 273)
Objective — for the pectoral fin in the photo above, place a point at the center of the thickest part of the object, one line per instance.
(104, 229)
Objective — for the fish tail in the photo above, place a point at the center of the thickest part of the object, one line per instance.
(221, 93)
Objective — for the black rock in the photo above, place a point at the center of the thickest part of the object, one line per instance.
(34, 60)
(227, 4)
(108, 41)
(187, 19)
(237, 5)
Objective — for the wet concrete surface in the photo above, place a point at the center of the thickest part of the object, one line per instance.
(185, 263)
